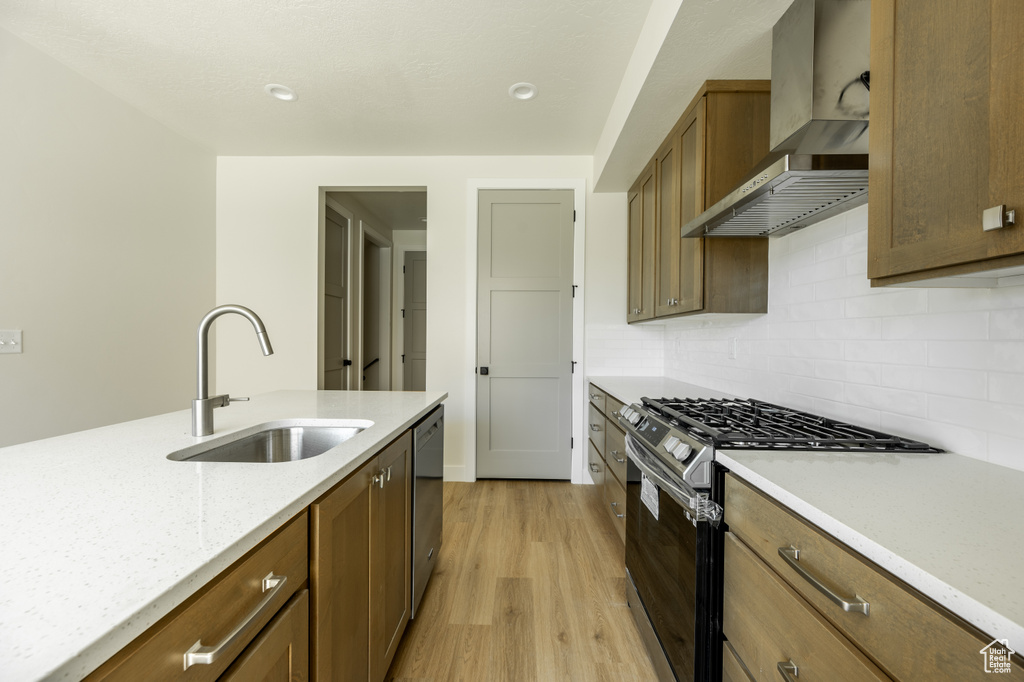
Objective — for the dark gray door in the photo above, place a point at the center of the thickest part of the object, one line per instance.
(414, 353)
(524, 334)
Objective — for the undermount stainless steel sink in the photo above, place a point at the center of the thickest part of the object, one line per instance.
(273, 444)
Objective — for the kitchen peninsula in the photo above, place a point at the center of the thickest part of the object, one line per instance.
(103, 536)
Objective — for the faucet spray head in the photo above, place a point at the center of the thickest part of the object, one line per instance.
(265, 343)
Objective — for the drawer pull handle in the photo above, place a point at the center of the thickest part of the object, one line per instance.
(595, 396)
(205, 655)
(617, 514)
(791, 555)
(615, 456)
(595, 427)
(788, 670)
(594, 468)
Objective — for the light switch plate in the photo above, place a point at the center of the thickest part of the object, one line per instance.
(10, 340)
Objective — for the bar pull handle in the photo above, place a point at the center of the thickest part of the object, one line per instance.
(788, 670)
(594, 396)
(595, 427)
(205, 655)
(617, 514)
(594, 468)
(615, 456)
(791, 555)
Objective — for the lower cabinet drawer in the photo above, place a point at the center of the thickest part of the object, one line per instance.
(219, 621)
(733, 669)
(615, 500)
(772, 628)
(903, 631)
(281, 651)
(615, 450)
(595, 428)
(595, 464)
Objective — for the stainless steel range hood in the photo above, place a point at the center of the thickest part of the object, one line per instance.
(819, 127)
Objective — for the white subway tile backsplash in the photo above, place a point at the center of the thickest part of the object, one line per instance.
(945, 366)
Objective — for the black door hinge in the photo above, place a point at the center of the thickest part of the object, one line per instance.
(573, 367)
(403, 358)
(403, 269)
(572, 443)
(574, 216)
(403, 313)
(574, 290)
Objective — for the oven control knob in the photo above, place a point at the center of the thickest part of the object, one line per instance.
(670, 443)
(634, 417)
(681, 452)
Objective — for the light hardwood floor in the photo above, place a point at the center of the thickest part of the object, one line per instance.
(529, 585)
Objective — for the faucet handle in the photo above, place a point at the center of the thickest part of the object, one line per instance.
(230, 399)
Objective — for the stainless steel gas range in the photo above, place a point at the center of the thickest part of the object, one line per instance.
(674, 495)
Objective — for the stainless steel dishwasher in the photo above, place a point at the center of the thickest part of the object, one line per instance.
(427, 500)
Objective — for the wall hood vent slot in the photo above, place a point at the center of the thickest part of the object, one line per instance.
(793, 192)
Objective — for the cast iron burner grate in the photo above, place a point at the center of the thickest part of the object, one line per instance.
(758, 425)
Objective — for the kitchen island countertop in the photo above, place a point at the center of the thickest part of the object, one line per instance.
(102, 535)
(948, 525)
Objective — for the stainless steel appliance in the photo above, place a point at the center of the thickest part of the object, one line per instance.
(674, 495)
(427, 500)
(819, 126)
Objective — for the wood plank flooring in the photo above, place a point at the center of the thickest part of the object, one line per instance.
(529, 586)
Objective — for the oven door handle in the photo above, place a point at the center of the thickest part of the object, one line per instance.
(679, 492)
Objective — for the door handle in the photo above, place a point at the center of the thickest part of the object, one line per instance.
(485, 371)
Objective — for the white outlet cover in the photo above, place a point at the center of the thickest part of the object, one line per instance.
(10, 340)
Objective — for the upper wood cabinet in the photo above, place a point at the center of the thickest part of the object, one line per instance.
(947, 138)
(719, 139)
(641, 199)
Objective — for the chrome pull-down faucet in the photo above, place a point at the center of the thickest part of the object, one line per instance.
(202, 406)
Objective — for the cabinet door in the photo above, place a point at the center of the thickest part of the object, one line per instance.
(947, 139)
(666, 228)
(691, 204)
(641, 247)
(339, 573)
(390, 536)
(281, 652)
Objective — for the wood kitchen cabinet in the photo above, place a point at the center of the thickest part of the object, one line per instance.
(718, 140)
(281, 652)
(359, 568)
(239, 600)
(947, 138)
(640, 283)
(606, 455)
(774, 613)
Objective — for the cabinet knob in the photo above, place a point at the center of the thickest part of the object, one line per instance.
(997, 217)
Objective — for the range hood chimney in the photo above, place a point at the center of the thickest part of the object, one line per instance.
(818, 166)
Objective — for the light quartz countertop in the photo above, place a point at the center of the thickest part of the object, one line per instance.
(101, 535)
(950, 526)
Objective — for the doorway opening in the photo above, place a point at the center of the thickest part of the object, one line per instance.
(365, 236)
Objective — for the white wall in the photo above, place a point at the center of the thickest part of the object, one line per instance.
(267, 217)
(941, 365)
(106, 259)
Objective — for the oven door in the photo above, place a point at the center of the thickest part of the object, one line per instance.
(662, 557)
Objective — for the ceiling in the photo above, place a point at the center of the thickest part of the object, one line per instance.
(373, 77)
(403, 210)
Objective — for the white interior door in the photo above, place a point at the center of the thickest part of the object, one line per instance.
(414, 354)
(524, 334)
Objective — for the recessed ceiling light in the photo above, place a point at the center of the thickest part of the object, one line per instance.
(523, 91)
(281, 92)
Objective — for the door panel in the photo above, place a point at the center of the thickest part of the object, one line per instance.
(691, 205)
(335, 274)
(524, 334)
(415, 349)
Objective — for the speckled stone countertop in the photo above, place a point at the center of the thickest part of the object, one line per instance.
(101, 535)
(950, 526)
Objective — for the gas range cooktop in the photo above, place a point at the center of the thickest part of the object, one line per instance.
(684, 434)
(758, 425)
